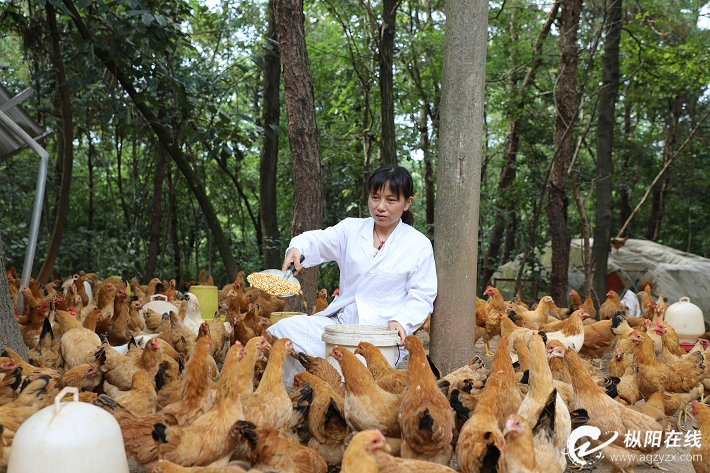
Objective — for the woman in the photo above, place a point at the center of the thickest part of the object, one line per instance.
(387, 271)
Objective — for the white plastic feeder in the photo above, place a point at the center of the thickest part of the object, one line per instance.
(350, 335)
(69, 437)
(686, 319)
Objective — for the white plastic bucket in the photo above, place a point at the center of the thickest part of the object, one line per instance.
(686, 319)
(69, 437)
(349, 336)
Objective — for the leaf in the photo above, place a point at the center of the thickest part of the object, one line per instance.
(213, 153)
(147, 19)
(258, 60)
(277, 130)
(84, 3)
(62, 8)
(244, 117)
(161, 20)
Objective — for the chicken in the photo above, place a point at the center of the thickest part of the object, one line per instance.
(321, 368)
(269, 304)
(480, 441)
(269, 405)
(571, 334)
(425, 416)
(367, 406)
(388, 378)
(539, 394)
(670, 346)
(164, 466)
(35, 321)
(32, 398)
(151, 289)
(194, 401)
(366, 454)
(240, 332)
(118, 333)
(576, 303)
(10, 382)
(597, 340)
(474, 371)
(611, 305)
(46, 352)
(84, 377)
(321, 301)
(540, 314)
(488, 318)
(701, 452)
(678, 377)
(142, 400)
(326, 418)
(253, 353)
(624, 354)
(628, 387)
(269, 449)
(104, 301)
(610, 417)
(121, 373)
(523, 454)
(220, 339)
(78, 344)
(211, 437)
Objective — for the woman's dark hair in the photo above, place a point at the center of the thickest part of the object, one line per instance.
(400, 183)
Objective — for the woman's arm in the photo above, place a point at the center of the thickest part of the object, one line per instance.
(421, 292)
(318, 246)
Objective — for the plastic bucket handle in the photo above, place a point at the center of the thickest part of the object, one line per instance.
(684, 299)
(58, 397)
(158, 296)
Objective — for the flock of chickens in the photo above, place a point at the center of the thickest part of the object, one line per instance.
(195, 396)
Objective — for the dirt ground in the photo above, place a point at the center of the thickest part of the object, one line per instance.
(666, 462)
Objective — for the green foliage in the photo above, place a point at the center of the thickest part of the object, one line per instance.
(198, 65)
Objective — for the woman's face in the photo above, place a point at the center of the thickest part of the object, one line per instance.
(387, 208)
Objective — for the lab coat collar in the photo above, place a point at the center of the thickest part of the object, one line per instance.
(366, 234)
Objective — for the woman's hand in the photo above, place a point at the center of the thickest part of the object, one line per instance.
(293, 256)
(394, 325)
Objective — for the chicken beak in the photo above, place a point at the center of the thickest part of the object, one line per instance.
(387, 448)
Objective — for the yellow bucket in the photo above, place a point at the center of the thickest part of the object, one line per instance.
(276, 316)
(207, 295)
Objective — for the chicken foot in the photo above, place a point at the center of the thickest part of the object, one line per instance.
(654, 464)
(489, 353)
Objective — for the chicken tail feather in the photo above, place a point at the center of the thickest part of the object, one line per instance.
(547, 416)
(426, 422)
(579, 417)
(490, 460)
(456, 404)
(158, 433)
(526, 377)
(334, 411)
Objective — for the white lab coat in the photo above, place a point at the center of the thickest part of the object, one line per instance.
(399, 283)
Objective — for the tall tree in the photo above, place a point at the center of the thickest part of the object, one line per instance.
(303, 135)
(166, 139)
(566, 111)
(386, 54)
(68, 148)
(458, 184)
(605, 143)
(155, 214)
(272, 256)
(658, 201)
(505, 204)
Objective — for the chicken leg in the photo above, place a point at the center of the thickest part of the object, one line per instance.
(489, 354)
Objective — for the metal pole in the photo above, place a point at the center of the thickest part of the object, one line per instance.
(37, 210)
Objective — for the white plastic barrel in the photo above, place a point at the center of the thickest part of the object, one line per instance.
(69, 437)
(686, 319)
(349, 336)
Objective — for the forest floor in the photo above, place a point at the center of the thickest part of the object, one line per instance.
(666, 454)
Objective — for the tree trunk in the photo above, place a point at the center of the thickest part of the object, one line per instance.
(166, 139)
(303, 135)
(155, 215)
(428, 170)
(458, 183)
(174, 231)
(566, 109)
(658, 203)
(272, 257)
(387, 31)
(624, 203)
(505, 206)
(10, 335)
(68, 150)
(605, 145)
